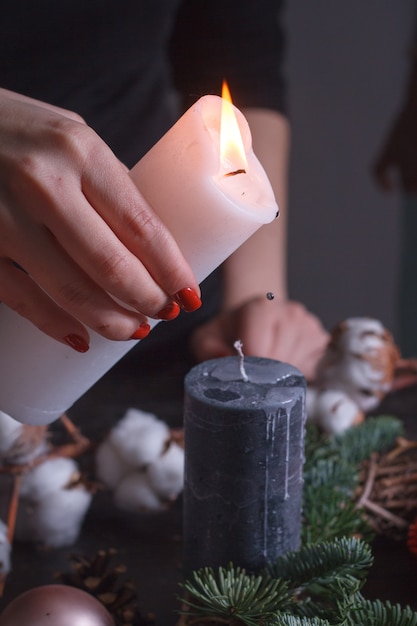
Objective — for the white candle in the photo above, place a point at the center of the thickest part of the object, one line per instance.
(210, 206)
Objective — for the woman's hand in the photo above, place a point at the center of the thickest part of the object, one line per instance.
(72, 218)
(284, 330)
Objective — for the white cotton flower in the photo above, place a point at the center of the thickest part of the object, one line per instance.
(360, 359)
(50, 476)
(135, 494)
(55, 519)
(5, 549)
(139, 463)
(139, 437)
(166, 474)
(335, 411)
(110, 465)
(51, 509)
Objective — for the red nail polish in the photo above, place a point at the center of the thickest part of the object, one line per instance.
(141, 332)
(77, 343)
(188, 299)
(169, 312)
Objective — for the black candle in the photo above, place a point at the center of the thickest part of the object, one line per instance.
(244, 453)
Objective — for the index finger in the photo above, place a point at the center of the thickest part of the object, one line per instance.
(112, 193)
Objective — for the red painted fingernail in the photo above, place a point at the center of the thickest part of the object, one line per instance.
(169, 312)
(141, 332)
(188, 299)
(77, 343)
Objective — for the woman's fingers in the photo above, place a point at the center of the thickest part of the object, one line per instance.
(137, 225)
(73, 219)
(72, 289)
(24, 296)
(285, 331)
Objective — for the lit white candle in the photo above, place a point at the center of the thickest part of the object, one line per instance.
(211, 202)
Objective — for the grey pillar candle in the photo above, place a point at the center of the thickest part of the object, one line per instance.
(244, 454)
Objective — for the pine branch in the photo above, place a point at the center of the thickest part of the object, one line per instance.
(286, 619)
(329, 514)
(380, 613)
(330, 472)
(322, 562)
(375, 434)
(325, 577)
(231, 593)
(331, 476)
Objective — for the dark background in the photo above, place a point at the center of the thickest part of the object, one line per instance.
(347, 65)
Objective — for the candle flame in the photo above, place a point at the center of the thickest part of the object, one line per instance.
(232, 150)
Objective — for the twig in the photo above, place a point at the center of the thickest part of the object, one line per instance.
(402, 445)
(369, 481)
(379, 510)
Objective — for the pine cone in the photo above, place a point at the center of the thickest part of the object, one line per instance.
(105, 582)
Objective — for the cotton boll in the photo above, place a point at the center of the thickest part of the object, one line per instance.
(52, 513)
(335, 411)
(110, 466)
(134, 494)
(139, 437)
(4, 549)
(140, 463)
(56, 519)
(360, 359)
(166, 474)
(48, 477)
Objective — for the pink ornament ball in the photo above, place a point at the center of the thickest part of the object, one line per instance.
(55, 605)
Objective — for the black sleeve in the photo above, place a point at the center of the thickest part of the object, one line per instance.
(238, 40)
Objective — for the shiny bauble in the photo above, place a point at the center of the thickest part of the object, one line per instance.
(55, 605)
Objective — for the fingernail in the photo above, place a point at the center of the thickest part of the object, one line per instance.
(141, 332)
(188, 299)
(77, 343)
(169, 312)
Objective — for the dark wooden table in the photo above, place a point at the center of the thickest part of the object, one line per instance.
(150, 545)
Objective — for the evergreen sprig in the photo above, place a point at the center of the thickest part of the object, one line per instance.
(322, 563)
(375, 434)
(230, 593)
(326, 577)
(286, 619)
(328, 514)
(380, 613)
(331, 476)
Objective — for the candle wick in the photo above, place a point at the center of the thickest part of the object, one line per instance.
(240, 171)
(239, 347)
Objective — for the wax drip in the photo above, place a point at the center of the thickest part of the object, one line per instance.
(239, 347)
(287, 453)
(270, 440)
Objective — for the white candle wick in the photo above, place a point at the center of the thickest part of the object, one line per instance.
(239, 347)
